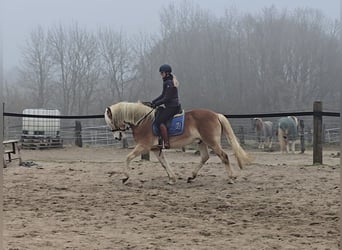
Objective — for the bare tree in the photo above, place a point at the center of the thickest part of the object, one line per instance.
(238, 63)
(116, 60)
(59, 42)
(36, 67)
(145, 69)
(74, 54)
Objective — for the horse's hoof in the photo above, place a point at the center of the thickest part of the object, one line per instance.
(171, 182)
(230, 181)
(124, 180)
(190, 179)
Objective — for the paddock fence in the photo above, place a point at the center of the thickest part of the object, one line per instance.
(91, 130)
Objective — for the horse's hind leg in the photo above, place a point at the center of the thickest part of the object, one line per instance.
(203, 148)
(270, 139)
(160, 156)
(224, 158)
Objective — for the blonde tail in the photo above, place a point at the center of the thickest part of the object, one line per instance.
(241, 156)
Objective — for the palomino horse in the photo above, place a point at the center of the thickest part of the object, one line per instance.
(264, 132)
(202, 126)
(287, 133)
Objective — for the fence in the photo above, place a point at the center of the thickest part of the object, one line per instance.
(93, 131)
(332, 135)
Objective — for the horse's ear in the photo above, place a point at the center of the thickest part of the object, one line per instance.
(109, 113)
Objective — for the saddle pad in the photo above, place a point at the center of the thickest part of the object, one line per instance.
(175, 126)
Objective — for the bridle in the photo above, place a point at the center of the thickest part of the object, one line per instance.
(120, 129)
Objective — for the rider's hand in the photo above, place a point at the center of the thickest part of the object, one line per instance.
(149, 104)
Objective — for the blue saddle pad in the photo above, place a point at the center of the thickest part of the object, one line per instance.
(175, 126)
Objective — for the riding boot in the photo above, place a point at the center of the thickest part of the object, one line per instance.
(164, 135)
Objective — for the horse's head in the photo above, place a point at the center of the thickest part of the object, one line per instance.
(123, 115)
(113, 123)
(256, 123)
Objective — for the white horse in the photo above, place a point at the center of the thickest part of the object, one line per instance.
(287, 133)
(264, 132)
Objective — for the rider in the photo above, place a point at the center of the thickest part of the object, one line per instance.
(169, 97)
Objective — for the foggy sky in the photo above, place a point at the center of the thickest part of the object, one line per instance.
(20, 17)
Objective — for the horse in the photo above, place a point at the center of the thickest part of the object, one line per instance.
(264, 132)
(202, 126)
(287, 133)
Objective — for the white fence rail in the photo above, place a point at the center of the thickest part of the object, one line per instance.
(332, 135)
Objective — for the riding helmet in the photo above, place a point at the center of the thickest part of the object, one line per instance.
(165, 68)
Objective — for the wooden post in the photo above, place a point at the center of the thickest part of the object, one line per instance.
(3, 120)
(78, 134)
(124, 140)
(317, 134)
(1, 136)
(302, 139)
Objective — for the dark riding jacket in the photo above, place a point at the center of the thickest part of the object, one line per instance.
(169, 96)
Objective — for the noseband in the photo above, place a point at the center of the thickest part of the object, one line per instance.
(119, 129)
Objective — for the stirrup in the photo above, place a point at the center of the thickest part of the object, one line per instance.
(159, 147)
(166, 145)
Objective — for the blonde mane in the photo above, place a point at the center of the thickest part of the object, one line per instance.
(130, 112)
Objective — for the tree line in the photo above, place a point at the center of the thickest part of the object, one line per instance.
(276, 60)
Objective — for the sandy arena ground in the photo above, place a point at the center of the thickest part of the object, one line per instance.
(74, 199)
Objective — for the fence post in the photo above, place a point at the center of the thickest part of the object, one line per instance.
(124, 140)
(3, 120)
(1, 138)
(317, 133)
(78, 134)
(301, 132)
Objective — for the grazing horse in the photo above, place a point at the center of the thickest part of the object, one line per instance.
(200, 125)
(264, 132)
(287, 133)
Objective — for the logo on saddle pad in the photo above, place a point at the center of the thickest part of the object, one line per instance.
(175, 126)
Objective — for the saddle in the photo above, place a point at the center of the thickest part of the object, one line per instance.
(175, 126)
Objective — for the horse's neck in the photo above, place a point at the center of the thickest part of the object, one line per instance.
(142, 129)
(133, 117)
(260, 125)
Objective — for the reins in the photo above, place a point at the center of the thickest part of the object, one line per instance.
(143, 118)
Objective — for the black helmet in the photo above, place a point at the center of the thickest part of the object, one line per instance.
(165, 68)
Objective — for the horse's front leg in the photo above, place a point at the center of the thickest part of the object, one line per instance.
(161, 158)
(136, 152)
(287, 146)
(293, 146)
(262, 145)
